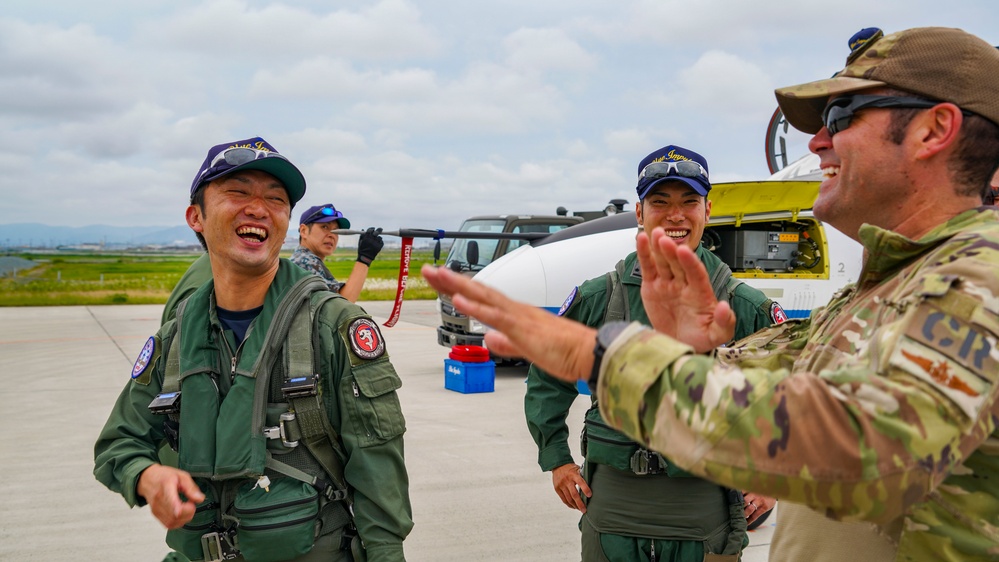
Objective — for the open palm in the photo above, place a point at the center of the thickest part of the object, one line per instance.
(678, 296)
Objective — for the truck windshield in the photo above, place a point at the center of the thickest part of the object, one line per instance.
(486, 248)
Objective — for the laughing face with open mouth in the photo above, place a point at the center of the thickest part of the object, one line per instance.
(244, 222)
(678, 209)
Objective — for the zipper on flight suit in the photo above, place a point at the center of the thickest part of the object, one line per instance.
(233, 357)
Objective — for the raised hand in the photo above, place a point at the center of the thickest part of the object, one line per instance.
(368, 245)
(678, 296)
(562, 347)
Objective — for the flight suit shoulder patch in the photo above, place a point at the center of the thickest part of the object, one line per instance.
(568, 301)
(365, 339)
(143, 367)
(777, 313)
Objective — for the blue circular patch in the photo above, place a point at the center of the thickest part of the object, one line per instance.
(568, 301)
(142, 362)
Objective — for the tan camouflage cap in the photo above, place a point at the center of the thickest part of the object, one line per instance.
(935, 62)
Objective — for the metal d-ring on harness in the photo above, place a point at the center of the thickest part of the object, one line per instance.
(306, 421)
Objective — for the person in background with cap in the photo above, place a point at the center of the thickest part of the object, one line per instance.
(317, 241)
(277, 394)
(877, 415)
(640, 505)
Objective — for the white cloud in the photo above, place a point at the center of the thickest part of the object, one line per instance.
(413, 114)
(726, 84)
(337, 79)
(631, 142)
(542, 50)
(486, 98)
(49, 73)
(231, 31)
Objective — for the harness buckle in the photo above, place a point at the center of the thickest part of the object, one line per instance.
(645, 462)
(330, 491)
(300, 386)
(280, 431)
(166, 403)
(217, 547)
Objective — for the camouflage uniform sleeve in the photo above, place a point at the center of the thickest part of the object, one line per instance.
(880, 414)
(547, 399)
(313, 264)
(130, 439)
(365, 409)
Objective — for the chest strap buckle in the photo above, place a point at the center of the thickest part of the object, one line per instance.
(300, 386)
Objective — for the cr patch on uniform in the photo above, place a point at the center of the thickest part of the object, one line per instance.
(365, 340)
(145, 358)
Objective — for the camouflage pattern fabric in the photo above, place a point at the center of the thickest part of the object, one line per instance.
(881, 407)
(304, 258)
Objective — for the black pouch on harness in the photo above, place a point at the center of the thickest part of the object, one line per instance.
(279, 524)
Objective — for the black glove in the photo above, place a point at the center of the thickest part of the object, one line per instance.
(369, 245)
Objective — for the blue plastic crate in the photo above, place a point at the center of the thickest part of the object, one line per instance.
(469, 378)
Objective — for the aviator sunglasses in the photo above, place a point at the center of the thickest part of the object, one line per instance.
(241, 155)
(238, 156)
(839, 112)
(685, 168)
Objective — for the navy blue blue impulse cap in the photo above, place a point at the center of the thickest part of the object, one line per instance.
(250, 154)
(673, 163)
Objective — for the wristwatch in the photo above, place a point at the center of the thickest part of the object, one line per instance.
(605, 335)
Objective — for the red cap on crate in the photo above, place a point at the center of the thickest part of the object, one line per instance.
(469, 354)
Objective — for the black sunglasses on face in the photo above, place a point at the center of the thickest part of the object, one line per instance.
(839, 112)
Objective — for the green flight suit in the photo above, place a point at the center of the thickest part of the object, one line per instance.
(879, 412)
(199, 273)
(643, 504)
(358, 395)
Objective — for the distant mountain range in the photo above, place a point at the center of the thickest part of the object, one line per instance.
(37, 235)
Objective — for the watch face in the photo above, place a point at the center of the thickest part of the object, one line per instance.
(784, 143)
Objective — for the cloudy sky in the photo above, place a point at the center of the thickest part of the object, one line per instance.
(404, 113)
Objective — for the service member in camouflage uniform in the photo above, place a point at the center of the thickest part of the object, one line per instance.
(642, 507)
(272, 466)
(879, 412)
(317, 241)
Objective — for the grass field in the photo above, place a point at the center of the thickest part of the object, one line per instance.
(83, 279)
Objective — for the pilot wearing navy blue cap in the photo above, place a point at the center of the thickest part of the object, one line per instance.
(317, 240)
(276, 375)
(672, 188)
(634, 500)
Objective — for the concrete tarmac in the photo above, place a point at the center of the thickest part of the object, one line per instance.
(477, 491)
